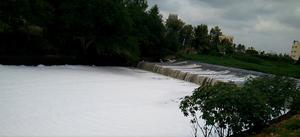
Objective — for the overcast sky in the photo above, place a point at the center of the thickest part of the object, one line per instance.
(269, 25)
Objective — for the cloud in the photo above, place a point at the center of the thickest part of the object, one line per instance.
(269, 25)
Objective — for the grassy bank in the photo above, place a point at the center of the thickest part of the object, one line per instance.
(286, 128)
(250, 63)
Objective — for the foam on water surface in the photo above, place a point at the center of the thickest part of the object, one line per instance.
(90, 101)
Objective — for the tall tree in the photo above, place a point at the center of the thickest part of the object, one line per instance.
(173, 25)
(187, 36)
(151, 35)
(202, 39)
(215, 33)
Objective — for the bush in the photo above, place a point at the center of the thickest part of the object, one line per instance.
(280, 92)
(229, 110)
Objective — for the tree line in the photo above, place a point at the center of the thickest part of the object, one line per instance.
(121, 31)
(104, 31)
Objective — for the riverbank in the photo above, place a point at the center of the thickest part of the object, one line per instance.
(254, 64)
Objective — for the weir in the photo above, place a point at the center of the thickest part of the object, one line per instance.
(171, 71)
(199, 73)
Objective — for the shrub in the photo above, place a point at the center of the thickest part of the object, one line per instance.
(228, 109)
(280, 92)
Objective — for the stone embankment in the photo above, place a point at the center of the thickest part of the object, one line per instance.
(194, 73)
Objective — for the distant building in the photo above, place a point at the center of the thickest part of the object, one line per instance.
(295, 54)
(173, 17)
(226, 38)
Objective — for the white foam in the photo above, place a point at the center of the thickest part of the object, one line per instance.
(90, 101)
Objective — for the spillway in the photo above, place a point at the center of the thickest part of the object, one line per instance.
(195, 73)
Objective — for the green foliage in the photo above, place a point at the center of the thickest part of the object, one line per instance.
(174, 24)
(240, 48)
(187, 36)
(84, 29)
(231, 109)
(4, 27)
(280, 92)
(251, 51)
(172, 42)
(201, 42)
(87, 29)
(229, 49)
(150, 33)
(215, 33)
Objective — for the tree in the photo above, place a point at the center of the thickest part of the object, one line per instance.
(251, 51)
(152, 45)
(23, 23)
(201, 41)
(240, 48)
(186, 36)
(229, 48)
(91, 31)
(173, 25)
(215, 33)
(95, 34)
(136, 4)
(115, 32)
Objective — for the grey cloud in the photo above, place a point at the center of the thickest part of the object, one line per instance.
(269, 25)
(291, 17)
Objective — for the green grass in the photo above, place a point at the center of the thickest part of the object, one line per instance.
(249, 63)
(286, 128)
(292, 124)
